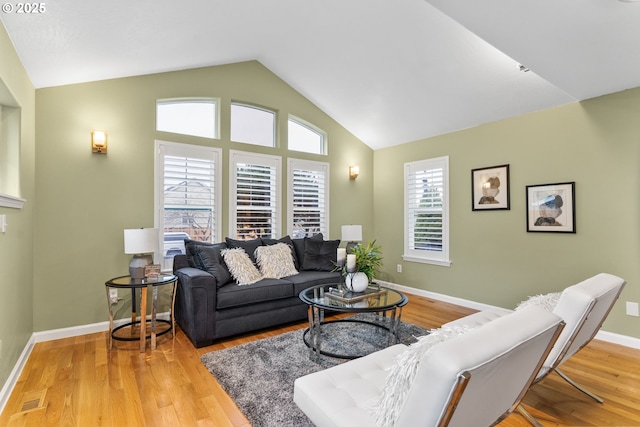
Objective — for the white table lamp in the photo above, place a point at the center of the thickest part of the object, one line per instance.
(140, 242)
(351, 234)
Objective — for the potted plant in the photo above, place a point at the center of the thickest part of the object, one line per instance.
(368, 259)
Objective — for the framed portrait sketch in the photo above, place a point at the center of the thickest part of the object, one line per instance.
(490, 188)
(551, 208)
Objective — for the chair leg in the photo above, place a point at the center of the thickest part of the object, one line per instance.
(579, 387)
(528, 416)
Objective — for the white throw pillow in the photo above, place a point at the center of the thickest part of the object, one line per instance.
(275, 261)
(546, 301)
(240, 266)
(400, 378)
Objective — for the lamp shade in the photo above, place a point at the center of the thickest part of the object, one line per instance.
(140, 240)
(351, 233)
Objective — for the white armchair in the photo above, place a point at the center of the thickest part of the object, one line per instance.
(476, 378)
(583, 307)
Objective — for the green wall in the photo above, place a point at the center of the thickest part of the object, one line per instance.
(86, 200)
(595, 143)
(16, 245)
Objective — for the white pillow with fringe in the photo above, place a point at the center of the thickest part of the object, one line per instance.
(546, 301)
(401, 375)
(240, 266)
(275, 261)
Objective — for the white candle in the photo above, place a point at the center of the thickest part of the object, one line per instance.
(351, 263)
(341, 256)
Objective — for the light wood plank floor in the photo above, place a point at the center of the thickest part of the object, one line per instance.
(78, 382)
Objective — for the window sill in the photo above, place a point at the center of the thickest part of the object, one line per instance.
(440, 262)
(8, 201)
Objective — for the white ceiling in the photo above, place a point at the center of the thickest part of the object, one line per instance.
(390, 71)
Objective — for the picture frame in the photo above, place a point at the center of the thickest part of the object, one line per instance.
(152, 271)
(490, 188)
(551, 208)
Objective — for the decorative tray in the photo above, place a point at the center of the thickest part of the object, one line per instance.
(348, 296)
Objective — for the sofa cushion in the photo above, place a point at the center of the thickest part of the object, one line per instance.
(320, 255)
(234, 295)
(298, 246)
(275, 261)
(212, 262)
(307, 279)
(240, 266)
(249, 246)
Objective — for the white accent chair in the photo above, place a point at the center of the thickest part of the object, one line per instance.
(474, 379)
(583, 307)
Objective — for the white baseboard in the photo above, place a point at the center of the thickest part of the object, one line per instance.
(611, 337)
(15, 374)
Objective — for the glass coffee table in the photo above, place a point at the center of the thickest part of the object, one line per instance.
(385, 303)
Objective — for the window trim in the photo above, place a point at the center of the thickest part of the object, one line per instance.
(236, 156)
(181, 149)
(313, 128)
(274, 133)
(325, 167)
(10, 129)
(216, 118)
(428, 257)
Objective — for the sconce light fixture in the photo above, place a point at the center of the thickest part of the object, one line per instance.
(354, 171)
(99, 141)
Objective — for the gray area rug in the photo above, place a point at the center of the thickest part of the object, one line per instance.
(259, 375)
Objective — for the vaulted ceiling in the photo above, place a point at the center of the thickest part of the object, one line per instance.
(390, 71)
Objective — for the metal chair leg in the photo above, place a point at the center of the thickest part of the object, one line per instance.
(579, 387)
(528, 416)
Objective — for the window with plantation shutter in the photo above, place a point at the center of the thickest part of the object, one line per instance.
(187, 193)
(254, 196)
(308, 198)
(427, 211)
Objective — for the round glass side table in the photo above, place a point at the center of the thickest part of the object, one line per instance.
(126, 282)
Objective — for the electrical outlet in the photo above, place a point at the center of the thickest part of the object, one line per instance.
(113, 296)
(399, 268)
(632, 309)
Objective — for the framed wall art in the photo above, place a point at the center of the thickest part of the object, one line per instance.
(551, 208)
(490, 188)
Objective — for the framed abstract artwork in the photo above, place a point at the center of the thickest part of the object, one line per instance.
(490, 188)
(551, 208)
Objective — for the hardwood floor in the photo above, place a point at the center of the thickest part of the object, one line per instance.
(79, 382)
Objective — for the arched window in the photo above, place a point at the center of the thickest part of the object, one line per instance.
(305, 137)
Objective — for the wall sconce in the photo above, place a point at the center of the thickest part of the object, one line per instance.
(354, 171)
(99, 141)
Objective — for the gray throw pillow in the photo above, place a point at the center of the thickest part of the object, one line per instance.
(249, 246)
(211, 258)
(320, 255)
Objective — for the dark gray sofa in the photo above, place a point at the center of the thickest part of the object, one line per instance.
(211, 305)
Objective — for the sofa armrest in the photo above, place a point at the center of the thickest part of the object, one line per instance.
(195, 309)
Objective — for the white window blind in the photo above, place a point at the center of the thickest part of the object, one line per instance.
(187, 196)
(426, 211)
(308, 195)
(254, 196)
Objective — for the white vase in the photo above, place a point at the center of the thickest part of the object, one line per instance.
(357, 282)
